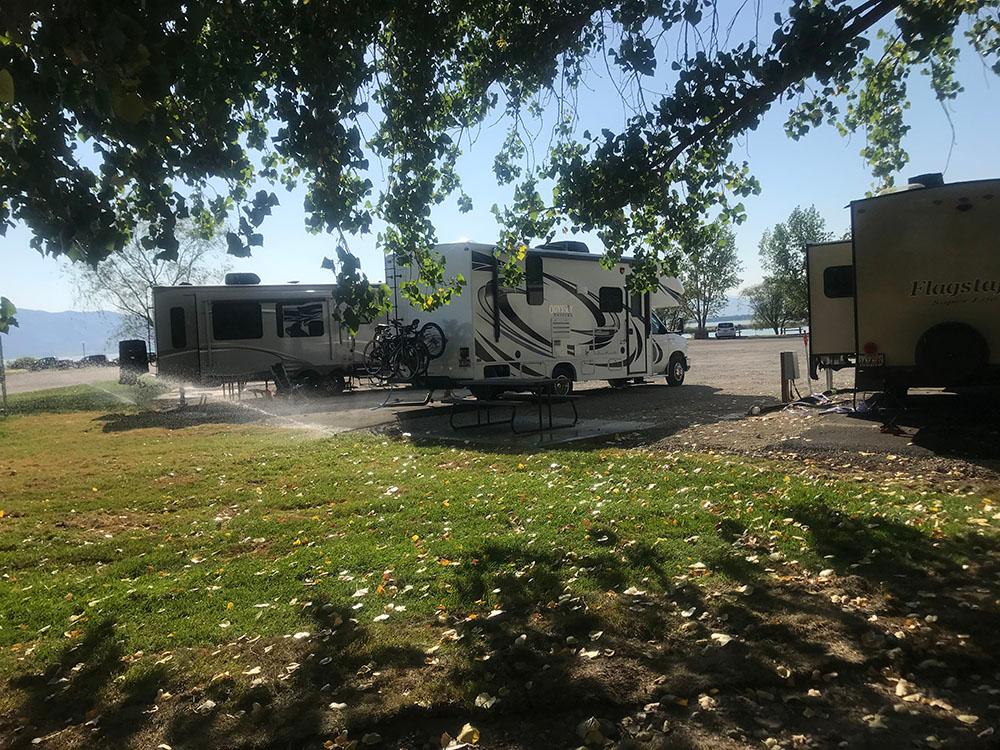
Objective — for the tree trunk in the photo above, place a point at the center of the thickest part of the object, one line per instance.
(701, 329)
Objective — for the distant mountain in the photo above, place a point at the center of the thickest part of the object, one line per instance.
(737, 308)
(62, 334)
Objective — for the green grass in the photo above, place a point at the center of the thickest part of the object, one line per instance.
(83, 398)
(184, 540)
(163, 530)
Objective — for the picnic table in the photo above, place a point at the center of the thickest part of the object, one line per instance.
(538, 391)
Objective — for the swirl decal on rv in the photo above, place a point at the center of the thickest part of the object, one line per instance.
(508, 316)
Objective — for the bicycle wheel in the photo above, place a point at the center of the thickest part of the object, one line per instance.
(375, 359)
(404, 364)
(423, 359)
(433, 338)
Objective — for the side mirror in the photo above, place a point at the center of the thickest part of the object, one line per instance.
(681, 324)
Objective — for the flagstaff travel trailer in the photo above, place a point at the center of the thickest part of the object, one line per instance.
(913, 299)
(208, 334)
(570, 318)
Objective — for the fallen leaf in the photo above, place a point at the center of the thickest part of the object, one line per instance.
(469, 734)
(485, 700)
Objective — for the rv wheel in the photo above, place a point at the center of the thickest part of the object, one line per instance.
(951, 354)
(564, 380)
(309, 380)
(675, 370)
(335, 383)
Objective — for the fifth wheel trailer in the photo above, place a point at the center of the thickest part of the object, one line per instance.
(208, 334)
(570, 318)
(920, 288)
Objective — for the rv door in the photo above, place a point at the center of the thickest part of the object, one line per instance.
(637, 333)
(830, 270)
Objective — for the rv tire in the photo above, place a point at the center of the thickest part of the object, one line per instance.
(675, 370)
(564, 375)
(309, 380)
(335, 383)
(951, 353)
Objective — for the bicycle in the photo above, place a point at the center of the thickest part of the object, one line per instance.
(402, 353)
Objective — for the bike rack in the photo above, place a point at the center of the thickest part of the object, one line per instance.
(424, 402)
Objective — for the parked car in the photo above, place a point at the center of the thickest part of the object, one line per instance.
(65, 364)
(94, 360)
(45, 363)
(725, 330)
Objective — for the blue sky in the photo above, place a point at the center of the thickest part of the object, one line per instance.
(822, 169)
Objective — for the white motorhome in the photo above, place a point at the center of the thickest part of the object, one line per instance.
(913, 299)
(209, 334)
(571, 318)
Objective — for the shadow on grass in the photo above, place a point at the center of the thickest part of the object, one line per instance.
(662, 410)
(72, 690)
(807, 658)
(179, 417)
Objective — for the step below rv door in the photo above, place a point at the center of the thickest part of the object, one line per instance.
(830, 271)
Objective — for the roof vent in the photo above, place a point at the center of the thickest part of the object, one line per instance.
(565, 246)
(242, 279)
(929, 180)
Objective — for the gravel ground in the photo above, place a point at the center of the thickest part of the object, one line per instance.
(23, 381)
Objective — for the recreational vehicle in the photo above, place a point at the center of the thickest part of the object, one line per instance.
(571, 318)
(209, 334)
(913, 299)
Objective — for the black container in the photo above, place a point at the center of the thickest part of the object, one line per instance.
(133, 360)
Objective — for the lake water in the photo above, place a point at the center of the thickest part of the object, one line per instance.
(745, 329)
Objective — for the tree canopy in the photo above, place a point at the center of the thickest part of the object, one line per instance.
(7, 313)
(769, 305)
(124, 280)
(783, 255)
(709, 269)
(115, 116)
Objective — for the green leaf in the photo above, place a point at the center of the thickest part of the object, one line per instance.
(6, 86)
(129, 106)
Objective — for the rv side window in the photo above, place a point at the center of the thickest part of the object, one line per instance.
(534, 280)
(178, 328)
(236, 320)
(838, 281)
(611, 299)
(300, 319)
(656, 326)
